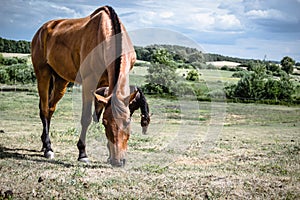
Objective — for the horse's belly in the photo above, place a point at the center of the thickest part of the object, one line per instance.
(62, 62)
(65, 70)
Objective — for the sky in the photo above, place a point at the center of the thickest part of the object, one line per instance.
(259, 29)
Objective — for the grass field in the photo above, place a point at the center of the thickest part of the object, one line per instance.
(194, 150)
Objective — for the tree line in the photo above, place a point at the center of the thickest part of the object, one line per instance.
(186, 55)
(12, 46)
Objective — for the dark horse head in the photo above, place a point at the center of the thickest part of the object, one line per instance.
(140, 102)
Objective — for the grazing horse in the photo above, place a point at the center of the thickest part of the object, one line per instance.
(94, 51)
(139, 102)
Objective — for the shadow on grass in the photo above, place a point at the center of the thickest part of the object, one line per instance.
(36, 156)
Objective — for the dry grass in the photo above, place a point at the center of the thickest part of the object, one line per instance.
(255, 156)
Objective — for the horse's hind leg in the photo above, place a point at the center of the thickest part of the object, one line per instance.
(43, 81)
(58, 91)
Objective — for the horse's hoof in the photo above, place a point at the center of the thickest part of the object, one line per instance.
(84, 160)
(49, 155)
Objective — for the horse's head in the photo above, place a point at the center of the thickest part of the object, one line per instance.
(145, 120)
(116, 120)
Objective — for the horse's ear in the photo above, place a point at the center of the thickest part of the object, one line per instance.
(101, 98)
(131, 97)
(103, 91)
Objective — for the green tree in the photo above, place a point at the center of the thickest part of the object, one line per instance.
(287, 64)
(196, 57)
(161, 78)
(274, 68)
(287, 88)
(162, 56)
(193, 75)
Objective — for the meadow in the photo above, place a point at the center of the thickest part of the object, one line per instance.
(193, 150)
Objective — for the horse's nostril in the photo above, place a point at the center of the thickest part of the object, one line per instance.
(123, 161)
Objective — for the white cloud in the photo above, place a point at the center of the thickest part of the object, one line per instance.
(166, 14)
(65, 11)
(213, 22)
(228, 22)
(202, 21)
(271, 14)
(189, 15)
(147, 18)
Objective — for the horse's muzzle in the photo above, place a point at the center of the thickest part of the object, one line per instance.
(144, 130)
(117, 163)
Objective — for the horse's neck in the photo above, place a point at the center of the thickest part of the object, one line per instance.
(143, 105)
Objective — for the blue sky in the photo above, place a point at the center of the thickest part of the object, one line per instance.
(241, 28)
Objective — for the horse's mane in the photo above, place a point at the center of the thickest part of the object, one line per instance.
(118, 105)
(117, 29)
(117, 36)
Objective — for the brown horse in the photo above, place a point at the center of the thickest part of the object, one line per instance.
(93, 51)
(139, 102)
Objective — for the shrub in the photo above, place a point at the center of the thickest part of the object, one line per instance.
(210, 66)
(239, 74)
(193, 75)
(225, 67)
(4, 76)
(21, 73)
(258, 86)
(217, 94)
(287, 64)
(182, 89)
(1, 58)
(10, 61)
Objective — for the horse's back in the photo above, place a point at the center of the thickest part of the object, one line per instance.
(63, 44)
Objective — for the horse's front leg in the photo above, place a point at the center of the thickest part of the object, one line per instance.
(86, 118)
